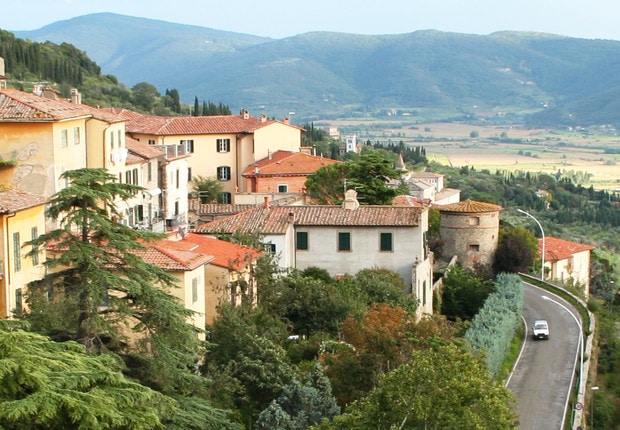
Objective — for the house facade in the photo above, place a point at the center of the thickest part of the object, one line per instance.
(343, 239)
(21, 219)
(567, 261)
(221, 146)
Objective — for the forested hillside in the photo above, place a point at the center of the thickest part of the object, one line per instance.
(506, 76)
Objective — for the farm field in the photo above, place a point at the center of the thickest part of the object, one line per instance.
(585, 153)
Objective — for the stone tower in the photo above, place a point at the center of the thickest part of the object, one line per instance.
(470, 230)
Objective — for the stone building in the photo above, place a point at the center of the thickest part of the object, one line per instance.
(470, 231)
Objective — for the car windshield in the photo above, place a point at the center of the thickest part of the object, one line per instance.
(540, 326)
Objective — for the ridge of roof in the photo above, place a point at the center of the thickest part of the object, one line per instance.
(469, 206)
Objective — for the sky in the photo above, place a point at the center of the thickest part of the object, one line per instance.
(590, 19)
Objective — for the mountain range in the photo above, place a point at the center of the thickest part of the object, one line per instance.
(539, 78)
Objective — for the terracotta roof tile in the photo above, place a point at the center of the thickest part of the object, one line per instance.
(165, 254)
(17, 105)
(227, 254)
(469, 206)
(287, 163)
(188, 125)
(560, 249)
(15, 200)
(142, 149)
(276, 220)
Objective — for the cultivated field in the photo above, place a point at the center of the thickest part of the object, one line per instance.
(585, 153)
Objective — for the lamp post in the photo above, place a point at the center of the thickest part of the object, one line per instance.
(594, 389)
(542, 256)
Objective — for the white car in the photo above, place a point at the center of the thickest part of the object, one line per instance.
(540, 329)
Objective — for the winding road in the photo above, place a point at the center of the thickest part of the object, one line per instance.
(546, 369)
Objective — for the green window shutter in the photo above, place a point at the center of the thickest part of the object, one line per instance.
(302, 240)
(386, 242)
(344, 241)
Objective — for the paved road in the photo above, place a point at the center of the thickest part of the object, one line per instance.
(544, 373)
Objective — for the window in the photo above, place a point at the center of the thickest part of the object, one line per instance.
(223, 173)
(149, 171)
(474, 220)
(271, 247)
(76, 135)
(474, 247)
(225, 198)
(302, 240)
(283, 188)
(64, 140)
(17, 258)
(177, 178)
(139, 213)
(194, 290)
(344, 241)
(222, 145)
(151, 141)
(112, 140)
(120, 140)
(189, 174)
(18, 301)
(35, 256)
(385, 242)
(176, 208)
(189, 145)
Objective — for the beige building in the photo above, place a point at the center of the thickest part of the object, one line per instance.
(221, 147)
(21, 220)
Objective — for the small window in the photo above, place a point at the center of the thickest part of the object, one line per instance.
(302, 240)
(386, 243)
(283, 188)
(17, 258)
(151, 141)
(225, 198)
(223, 173)
(139, 213)
(474, 220)
(194, 290)
(18, 301)
(149, 171)
(189, 145)
(271, 247)
(64, 139)
(189, 174)
(34, 234)
(120, 140)
(223, 145)
(112, 140)
(344, 241)
(474, 247)
(176, 208)
(178, 178)
(76, 135)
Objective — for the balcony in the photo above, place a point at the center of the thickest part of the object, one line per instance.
(174, 151)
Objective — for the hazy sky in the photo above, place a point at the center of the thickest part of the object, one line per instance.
(591, 19)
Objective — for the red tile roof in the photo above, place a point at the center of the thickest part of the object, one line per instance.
(188, 125)
(142, 149)
(227, 254)
(276, 220)
(407, 200)
(560, 249)
(287, 163)
(166, 255)
(469, 206)
(20, 106)
(15, 200)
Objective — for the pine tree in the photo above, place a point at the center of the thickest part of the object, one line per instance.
(102, 289)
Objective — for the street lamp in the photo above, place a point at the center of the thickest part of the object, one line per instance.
(542, 268)
(594, 389)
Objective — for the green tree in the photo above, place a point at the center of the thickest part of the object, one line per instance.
(55, 385)
(516, 250)
(207, 190)
(145, 96)
(443, 388)
(326, 186)
(102, 288)
(463, 294)
(301, 405)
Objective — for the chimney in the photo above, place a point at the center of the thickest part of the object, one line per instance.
(350, 200)
(76, 97)
(246, 114)
(285, 120)
(266, 203)
(263, 117)
(269, 154)
(291, 217)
